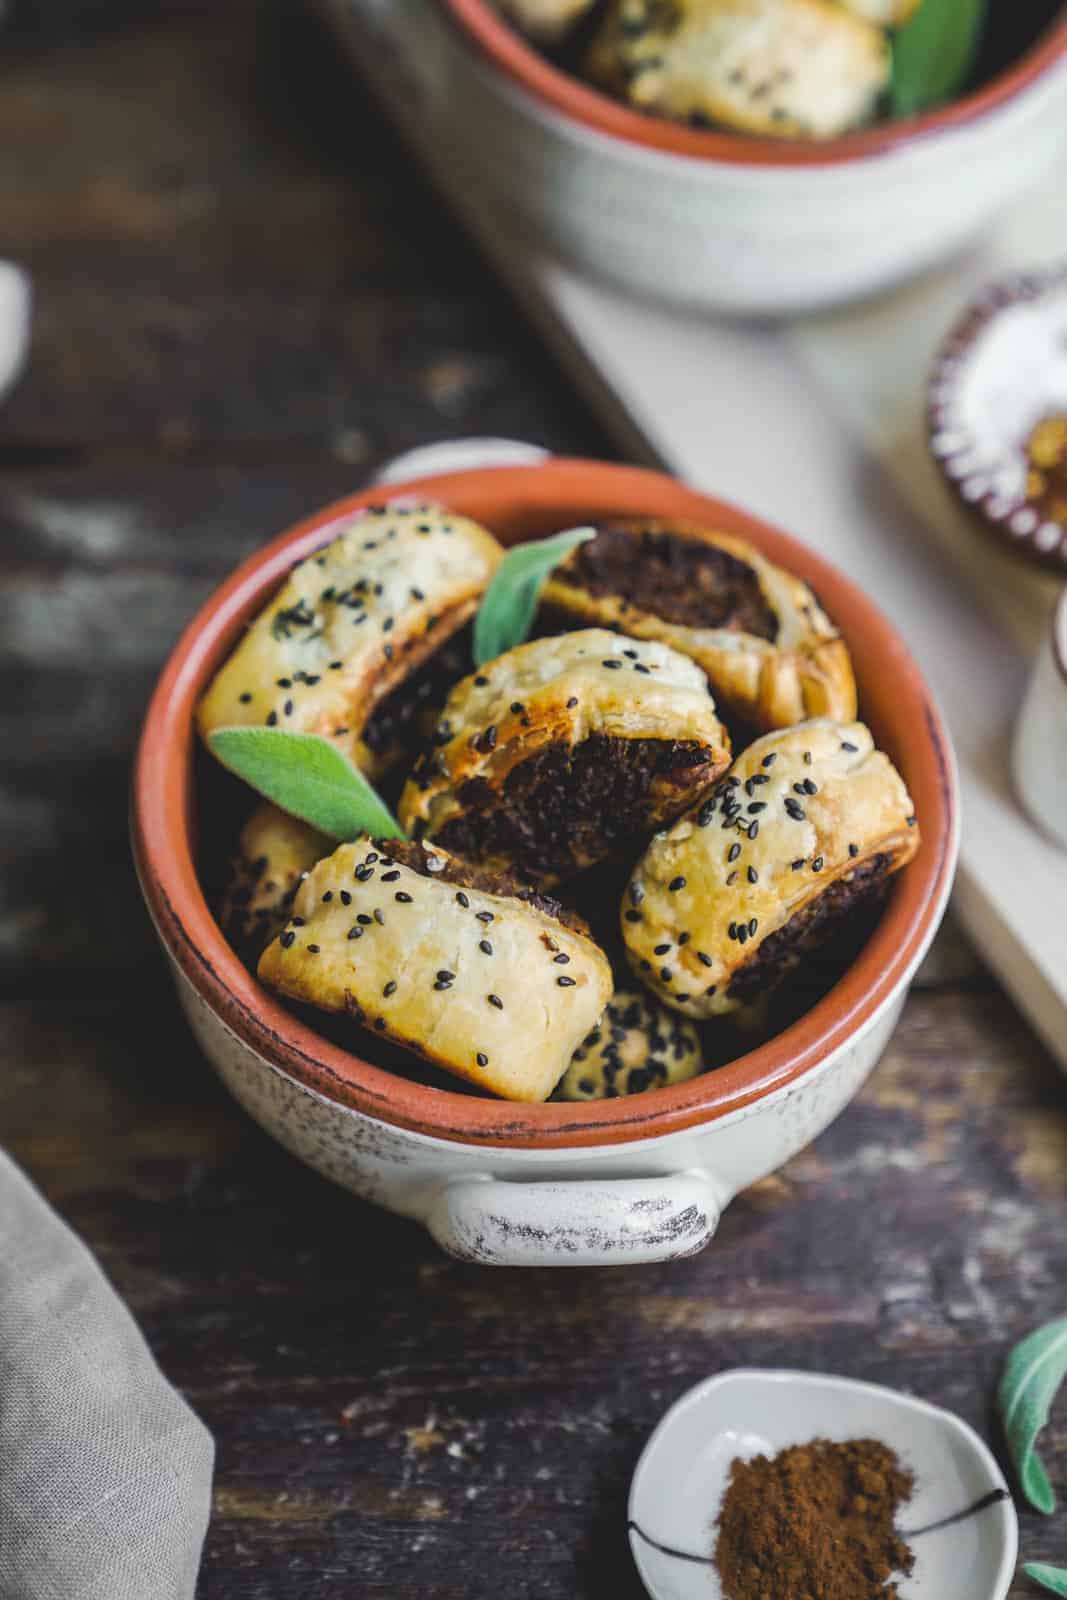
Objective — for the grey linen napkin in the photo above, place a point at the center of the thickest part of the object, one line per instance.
(105, 1473)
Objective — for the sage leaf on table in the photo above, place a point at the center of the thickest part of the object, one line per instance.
(1054, 1578)
(506, 613)
(308, 777)
(934, 52)
(1034, 1372)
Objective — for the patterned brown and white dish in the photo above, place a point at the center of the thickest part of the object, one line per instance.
(998, 413)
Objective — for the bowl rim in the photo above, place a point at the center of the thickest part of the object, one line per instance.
(503, 45)
(533, 497)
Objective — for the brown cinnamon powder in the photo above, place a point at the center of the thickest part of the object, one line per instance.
(815, 1522)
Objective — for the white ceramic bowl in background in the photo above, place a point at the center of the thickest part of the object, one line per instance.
(683, 1471)
(1040, 755)
(734, 224)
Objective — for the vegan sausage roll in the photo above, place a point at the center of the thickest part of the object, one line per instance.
(494, 983)
(544, 20)
(563, 750)
(793, 68)
(338, 651)
(808, 822)
(771, 655)
(274, 853)
(636, 1045)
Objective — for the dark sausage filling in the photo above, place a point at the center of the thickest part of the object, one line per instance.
(395, 721)
(417, 857)
(684, 581)
(807, 931)
(567, 807)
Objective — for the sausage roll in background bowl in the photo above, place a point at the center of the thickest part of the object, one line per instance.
(746, 223)
(579, 1179)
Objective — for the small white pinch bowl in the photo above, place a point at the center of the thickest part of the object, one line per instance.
(1040, 753)
(683, 1471)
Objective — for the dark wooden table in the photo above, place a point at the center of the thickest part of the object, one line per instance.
(244, 298)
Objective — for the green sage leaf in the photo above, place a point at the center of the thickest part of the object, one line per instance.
(934, 52)
(1034, 1372)
(506, 613)
(308, 777)
(1054, 1578)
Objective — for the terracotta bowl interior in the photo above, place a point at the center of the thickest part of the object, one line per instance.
(525, 66)
(519, 503)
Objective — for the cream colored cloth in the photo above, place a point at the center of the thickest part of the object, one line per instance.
(105, 1472)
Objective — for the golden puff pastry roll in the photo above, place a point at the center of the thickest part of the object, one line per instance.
(800, 69)
(771, 655)
(544, 20)
(807, 822)
(494, 983)
(563, 751)
(274, 854)
(636, 1045)
(338, 650)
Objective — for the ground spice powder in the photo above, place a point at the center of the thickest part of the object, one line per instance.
(815, 1522)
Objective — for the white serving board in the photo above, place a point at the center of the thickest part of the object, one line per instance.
(816, 424)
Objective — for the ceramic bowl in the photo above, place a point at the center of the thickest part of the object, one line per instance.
(960, 1520)
(634, 1179)
(1040, 753)
(716, 220)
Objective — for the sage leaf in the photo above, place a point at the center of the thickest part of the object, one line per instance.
(1054, 1578)
(933, 53)
(506, 613)
(308, 777)
(1034, 1371)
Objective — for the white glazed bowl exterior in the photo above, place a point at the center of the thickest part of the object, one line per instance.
(443, 1184)
(742, 239)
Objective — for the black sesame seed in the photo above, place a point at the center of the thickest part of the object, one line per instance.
(482, 1059)
(443, 983)
(676, 884)
(444, 976)
(286, 940)
(731, 932)
(565, 982)
(417, 594)
(364, 920)
(794, 810)
(705, 814)
(797, 864)
(757, 805)
(462, 900)
(284, 683)
(355, 933)
(495, 1000)
(327, 897)
(614, 665)
(810, 787)
(390, 988)
(403, 897)
(346, 898)
(379, 917)
(387, 652)
(639, 666)
(634, 916)
(711, 988)
(380, 1024)
(387, 625)
(335, 666)
(637, 893)
(390, 877)
(733, 852)
(807, 758)
(768, 761)
(480, 681)
(816, 865)
(851, 748)
(484, 916)
(753, 830)
(661, 949)
(272, 719)
(516, 707)
(704, 959)
(245, 699)
(313, 949)
(665, 974)
(562, 960)
(485, 947)
(742, 932)
(684, 938)
(572, 702)
(911, 821)
(752, 926)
